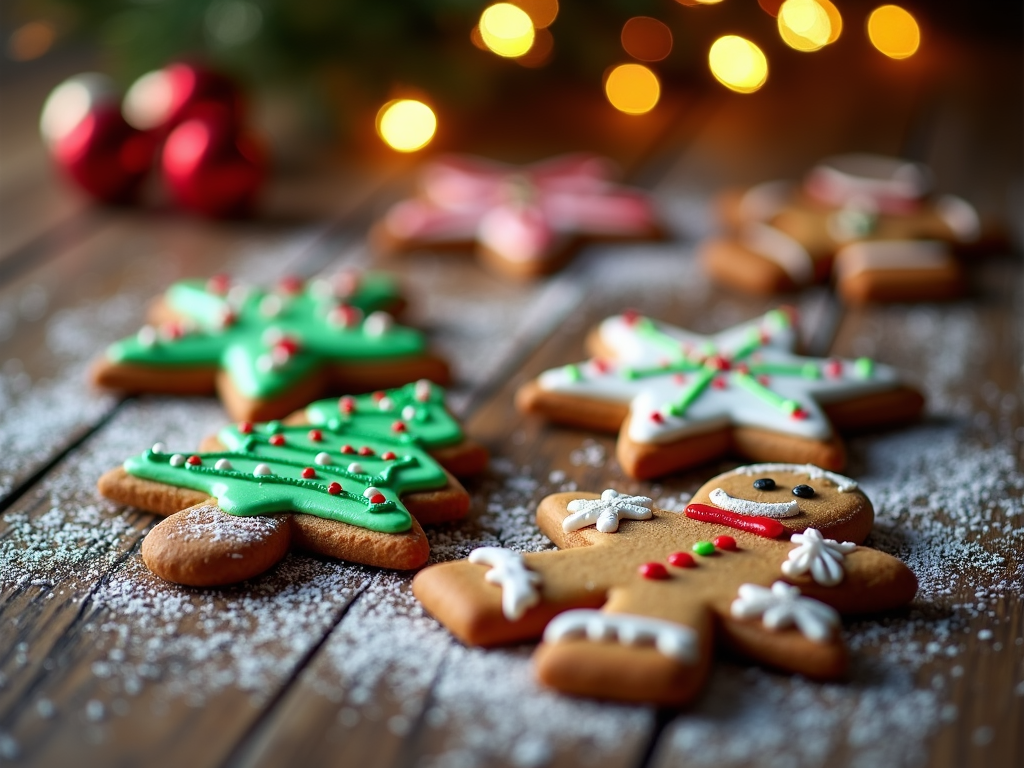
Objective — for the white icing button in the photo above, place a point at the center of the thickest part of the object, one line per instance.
(262, 470)
(177, 460)
(222, 464)
(422, 390)
(378, 323)
(147, 336)
(409, 412)
(323, 459)
(355, 467)
(371, 492)
(385, 404)
(159, 448)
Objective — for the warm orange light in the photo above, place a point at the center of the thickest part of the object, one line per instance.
(646, 39)
(406, 124)
(632, 88)
(541, 12)
(30, 41)
(738, 64)
(804, 25)
(540, 52)
(506, 29)
(835, 18)
(771, 7)
(894, 32)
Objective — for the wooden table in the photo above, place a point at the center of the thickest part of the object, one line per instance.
(323, 663)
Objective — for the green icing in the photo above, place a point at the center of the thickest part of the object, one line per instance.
(240, 492)
(244, 347)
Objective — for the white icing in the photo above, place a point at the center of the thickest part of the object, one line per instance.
(960, 216)
(713, 408)
(222, 464)
(323, 459)
(783, 606)
(872, 255)
(409, 412)
(147, 336)
(754, 508)
(843, 178)
(271, 305)
(762, 201)
(356, 468)
(385, 403)
(261, 470)
(671, 639)
(371, 492)
(422, 390)
(843, 483)
(378, 323)
(777, 246)
(177, 460)
(822, 557)
(159, 448)
(605, 513)
(508, 570)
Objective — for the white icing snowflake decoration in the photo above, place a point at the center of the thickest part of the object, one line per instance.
(822, 557)
(671, 639)
(783, 606)
(508, 570)
(606, 511)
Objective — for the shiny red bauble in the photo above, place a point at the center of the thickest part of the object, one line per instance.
(209, 167)
(165, 98)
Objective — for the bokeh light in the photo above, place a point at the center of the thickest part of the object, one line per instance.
(771, 7)
(738, 64)
(646, 39)
(804, 25)
(506, 29)
(30, 41)
(541, 12)
(406, 124)
(632, 88)
(894, 32)
(540, 52)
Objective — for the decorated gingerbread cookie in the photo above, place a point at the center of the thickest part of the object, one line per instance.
(678, 399)
(523, 220)
(866, 222)
(352, 478)
(267, 352)
(765, 559)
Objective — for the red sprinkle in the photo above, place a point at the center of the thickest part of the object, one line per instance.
(245, 427)
(765, 338)
(309, 473)
(193, 461)
(630, 316)
(347, 449)
(334, 489)
(378, 498)
(800, 414)
(682, 560)
(743, 368)
(679, 378)
(767, 527)
(291, 284)
(601, 365)
(228, 318)
(657, 418)
(834, 368)
(316, 435)
(218, 283)
(347, 405)
(727, 543)
(398, 426)
(366, 451)
(277, 440)
(718, 362)
(388, 456)
(288, 344)
(378, 395)
(718, 383)
(655, 571)
(763, 380)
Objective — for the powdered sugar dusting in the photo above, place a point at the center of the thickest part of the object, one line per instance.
(210, 523)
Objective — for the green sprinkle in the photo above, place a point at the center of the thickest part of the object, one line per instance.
(864, 367)
(752, 344)
(573, 372)
(704, 548)
(810, 371)
(701, 379)
(754, 387)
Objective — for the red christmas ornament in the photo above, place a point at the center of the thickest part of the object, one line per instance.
(90, 141)
(209, 168)
(162, 100)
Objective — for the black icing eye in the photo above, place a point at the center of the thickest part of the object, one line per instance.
(803, 491)
(764, 484)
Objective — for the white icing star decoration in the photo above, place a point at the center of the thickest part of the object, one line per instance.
(822, 557)
(606, 512)
(508, 570)
(681, 383)
(671, 639)
(783, 606)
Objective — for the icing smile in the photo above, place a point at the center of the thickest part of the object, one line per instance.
(754, 508)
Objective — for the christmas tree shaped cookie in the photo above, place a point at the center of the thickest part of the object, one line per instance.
(352, 478)
(866, 222)
(679, 399)
(764, 561)
(268, 352)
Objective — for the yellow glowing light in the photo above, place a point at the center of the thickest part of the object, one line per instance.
(506, 29)
(835, 19)
(894, 32)
(406, 124)
(632, 88)
(804, 25)
(738, 64)
(30, 41)
(542, 12)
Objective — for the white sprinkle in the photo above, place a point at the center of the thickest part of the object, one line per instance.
(323, 459)
(261, 470)
(378, 323)
(159, 448)
(271, 305)
(385, 404)
(409, 412)
(355, 467)
(264, 363)
(222, 464)
(371, 492)
(177, 460)
(147, 336)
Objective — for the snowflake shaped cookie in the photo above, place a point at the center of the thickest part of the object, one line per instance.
(605, 513)
(783, 606)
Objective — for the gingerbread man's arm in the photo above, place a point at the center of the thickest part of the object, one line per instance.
(873, 581)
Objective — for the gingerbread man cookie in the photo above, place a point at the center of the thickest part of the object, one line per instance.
(679, 399)
(866, 222)
(352, 478)
(523, 220)
(268, 352)
(765, 559)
